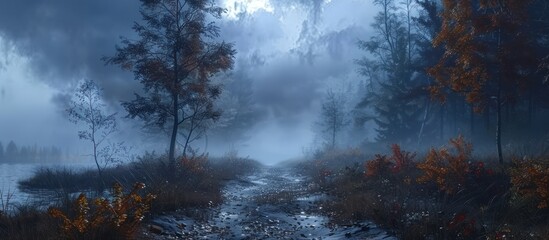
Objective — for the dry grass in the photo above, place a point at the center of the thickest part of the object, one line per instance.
(27, 222)
(195, 183)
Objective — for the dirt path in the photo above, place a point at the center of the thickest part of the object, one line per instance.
(274, 203)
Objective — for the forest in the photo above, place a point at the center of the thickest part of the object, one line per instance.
(430, 122)
(25, 154)
(458, 94)
(435, 71)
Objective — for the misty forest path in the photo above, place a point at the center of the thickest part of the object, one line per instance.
(272, 203)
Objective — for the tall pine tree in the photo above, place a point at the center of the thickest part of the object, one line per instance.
(393, 93)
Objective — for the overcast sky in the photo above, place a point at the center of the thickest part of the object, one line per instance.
(293, 50)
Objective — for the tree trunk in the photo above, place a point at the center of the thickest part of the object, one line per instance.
(334, 132)
(175, 113)
(102, 180)
(472, 121)
(454, 108)
(188, 138)
(507, 112)
(487, 119)
(427, 110)
(498, 130)
(441, 123)
(498, 102)
(530, 113)
(530, 107)
(409, 23)
(171, 154)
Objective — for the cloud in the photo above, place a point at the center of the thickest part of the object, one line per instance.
(65, 39)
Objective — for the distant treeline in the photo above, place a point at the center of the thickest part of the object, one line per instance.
(11, 153)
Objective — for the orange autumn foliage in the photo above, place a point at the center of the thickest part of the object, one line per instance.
(195, 164)
(478, 38)
(378, 166)
(530, 180)
(448, 168)
(119, 217)
(397, 162)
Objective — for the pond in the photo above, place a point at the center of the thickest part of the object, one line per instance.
(11, 174)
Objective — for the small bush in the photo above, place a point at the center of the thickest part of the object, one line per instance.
(398, 162)
(116, 219)
(447, 168)
(195, 164)
(378, 166)
(530, 180)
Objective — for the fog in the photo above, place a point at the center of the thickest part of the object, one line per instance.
(274, 119)
(291, 51)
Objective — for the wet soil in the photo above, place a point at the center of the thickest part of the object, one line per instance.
(273, 203)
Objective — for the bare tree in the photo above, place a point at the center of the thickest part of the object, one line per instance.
(333, 116)
(88, 109)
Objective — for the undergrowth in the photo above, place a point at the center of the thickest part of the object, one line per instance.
(446, 194)
(195, 182)
(116, 218)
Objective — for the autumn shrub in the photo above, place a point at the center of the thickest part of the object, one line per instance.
(447, 168)
(195, 164)
(377, 196)
(117, 218)
(398, 162)
(530, 181)
(455, 195)
(194, 170)
(379, 166)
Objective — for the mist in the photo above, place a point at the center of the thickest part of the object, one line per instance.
(289, 51)
(274, 119)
